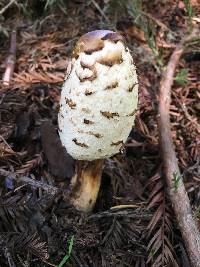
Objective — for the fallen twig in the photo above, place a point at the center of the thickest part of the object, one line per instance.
(189, 118)
(10, 61)
(158, 22)
(100, 10)
(136, 214)
(35, 183)
(178, 194)
(6, 7)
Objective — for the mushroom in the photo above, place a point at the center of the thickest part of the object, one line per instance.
(97, 109)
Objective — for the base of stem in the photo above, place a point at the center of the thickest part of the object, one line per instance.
(85, 184)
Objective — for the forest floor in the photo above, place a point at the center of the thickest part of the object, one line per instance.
(133, 223)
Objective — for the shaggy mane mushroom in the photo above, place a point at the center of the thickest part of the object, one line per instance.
(96, 109)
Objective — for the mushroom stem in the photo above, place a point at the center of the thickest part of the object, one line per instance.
(85, 184)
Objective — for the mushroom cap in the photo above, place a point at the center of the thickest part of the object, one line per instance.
(99, 97)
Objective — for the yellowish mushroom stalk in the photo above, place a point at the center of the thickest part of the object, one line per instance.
(97, 109)
(85, 184)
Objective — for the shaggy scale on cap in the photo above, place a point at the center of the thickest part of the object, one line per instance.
(99, 97)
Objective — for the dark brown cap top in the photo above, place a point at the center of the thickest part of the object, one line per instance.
(94, 41)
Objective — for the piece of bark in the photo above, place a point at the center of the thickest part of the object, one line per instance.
(22, 125)
(60, 163)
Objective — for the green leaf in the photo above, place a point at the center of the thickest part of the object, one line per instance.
(67, 256)
(190, 12)
(181, 77)
(176, 180)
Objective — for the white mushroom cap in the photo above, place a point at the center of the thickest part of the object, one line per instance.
(99, 97)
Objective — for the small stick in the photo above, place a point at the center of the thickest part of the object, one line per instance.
(177, 191)
(100, 10)
(6, 7)
(189, 117)
(10, 61)
(158, 22)
(35, 183)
